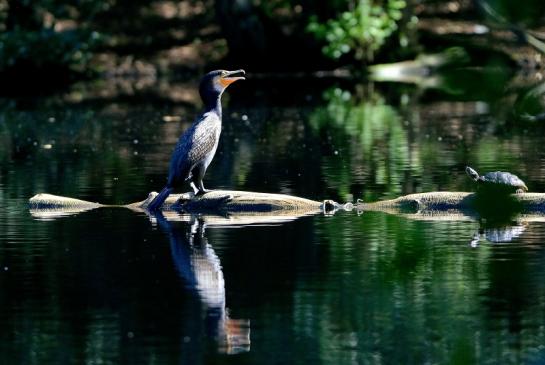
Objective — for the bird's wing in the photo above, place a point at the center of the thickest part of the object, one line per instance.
(179, 166)
(205, 138)
(193, 147)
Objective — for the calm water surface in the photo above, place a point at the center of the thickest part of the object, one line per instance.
(114, 286)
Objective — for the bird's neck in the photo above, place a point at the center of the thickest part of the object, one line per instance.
(213, 105)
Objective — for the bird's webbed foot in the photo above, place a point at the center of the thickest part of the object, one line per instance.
(201, 192)
(198, 188)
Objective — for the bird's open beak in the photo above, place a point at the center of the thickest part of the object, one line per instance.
(231, 76)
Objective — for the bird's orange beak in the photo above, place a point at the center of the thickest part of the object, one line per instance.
(229, 77)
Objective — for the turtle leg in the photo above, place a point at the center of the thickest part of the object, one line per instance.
(519, 191)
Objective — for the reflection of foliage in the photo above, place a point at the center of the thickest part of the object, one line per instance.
(67, 143)
(411, 277)
(373, 133)
(363, 30)
(488, 83)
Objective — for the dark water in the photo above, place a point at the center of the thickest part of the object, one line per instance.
(114, 286)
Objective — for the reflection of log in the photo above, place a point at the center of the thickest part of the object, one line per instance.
(238, 219)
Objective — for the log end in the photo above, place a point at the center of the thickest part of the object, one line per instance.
(50, 201)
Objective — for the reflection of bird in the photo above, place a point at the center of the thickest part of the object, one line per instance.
(197, 146)
(200, 269)
(198, 265)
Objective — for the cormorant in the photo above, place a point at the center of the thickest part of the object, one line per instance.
(197, 146)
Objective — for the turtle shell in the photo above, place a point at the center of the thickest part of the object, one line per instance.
(503, 179)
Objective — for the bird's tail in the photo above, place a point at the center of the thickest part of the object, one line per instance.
(159, 199)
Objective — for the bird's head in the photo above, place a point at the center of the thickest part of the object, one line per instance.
(215, 82)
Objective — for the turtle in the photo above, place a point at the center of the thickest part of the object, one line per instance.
(498, 181)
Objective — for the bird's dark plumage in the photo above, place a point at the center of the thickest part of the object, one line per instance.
(196, 147)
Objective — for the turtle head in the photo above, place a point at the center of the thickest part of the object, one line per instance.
(472, 173)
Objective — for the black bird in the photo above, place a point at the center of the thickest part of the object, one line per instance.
(197, 146)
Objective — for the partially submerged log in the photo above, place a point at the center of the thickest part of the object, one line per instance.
(455, 200)
(421, 71)
(234, 201)
(241, 207)
(48, 206)
(217, 201)
(55, 202)
(438, 200)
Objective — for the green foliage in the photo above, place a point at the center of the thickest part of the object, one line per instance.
(523, 13)
(530, 104)
(50, 34)
(361, 31)
(45, 48)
